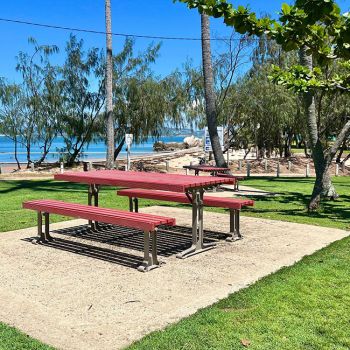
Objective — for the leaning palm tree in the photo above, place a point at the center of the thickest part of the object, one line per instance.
(210, 99)
(109, 91)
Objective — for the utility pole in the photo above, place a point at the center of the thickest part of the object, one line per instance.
(109, 88)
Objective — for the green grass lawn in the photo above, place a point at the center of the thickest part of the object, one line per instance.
(289, 204)
(306, 306)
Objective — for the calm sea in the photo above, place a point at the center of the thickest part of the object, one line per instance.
(93, 151)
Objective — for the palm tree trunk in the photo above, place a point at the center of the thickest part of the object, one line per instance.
(210, 103)
(109, 89)
(323, 187)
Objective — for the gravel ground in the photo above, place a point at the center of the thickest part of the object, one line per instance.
(83, 292)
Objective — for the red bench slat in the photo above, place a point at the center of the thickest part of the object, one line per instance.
(232, 203)
(111, 216)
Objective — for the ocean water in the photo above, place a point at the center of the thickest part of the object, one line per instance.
(93, 151)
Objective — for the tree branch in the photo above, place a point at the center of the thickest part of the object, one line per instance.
(344, 133)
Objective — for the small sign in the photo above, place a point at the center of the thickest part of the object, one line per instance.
(207, 142)
(128, 139)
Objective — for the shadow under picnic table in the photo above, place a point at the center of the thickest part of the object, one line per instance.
(171, 240)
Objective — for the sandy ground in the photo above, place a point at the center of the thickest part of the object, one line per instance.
(85, 293)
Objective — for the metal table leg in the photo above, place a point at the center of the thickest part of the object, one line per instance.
(198, 244)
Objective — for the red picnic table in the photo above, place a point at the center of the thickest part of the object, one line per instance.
(193, 186)
(216, 171)
(206, 168)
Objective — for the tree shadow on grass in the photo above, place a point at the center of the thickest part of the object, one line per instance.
(43, 186)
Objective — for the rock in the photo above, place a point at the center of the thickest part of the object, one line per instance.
(192, 141)
(171, 146)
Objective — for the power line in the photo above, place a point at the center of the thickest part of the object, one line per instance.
(82, 30)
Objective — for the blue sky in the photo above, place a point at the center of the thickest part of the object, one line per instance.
(152, 17)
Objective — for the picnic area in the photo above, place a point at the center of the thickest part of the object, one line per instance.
(106, 313)
(175, 175)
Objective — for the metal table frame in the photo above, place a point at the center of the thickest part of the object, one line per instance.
(195, 195)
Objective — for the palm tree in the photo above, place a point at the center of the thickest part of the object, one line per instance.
(210, 100)
(109, 92)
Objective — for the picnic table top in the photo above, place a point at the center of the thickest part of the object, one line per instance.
(205, 167)
(146, 180)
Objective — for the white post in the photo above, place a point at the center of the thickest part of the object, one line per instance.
(167, 165)
(289, 165)
(186, 171)
(239, 165)
(127, 168)
(343, 167)
(32, 166)
(337, 169)
(265, 165)
(278, 169)
(228, 157)
(308, 170)
(248, 168)
(61, 168)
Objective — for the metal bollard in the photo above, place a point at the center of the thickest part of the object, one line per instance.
(343, 168)
(248, 168)
(61, 167)
(167, 165)
(32, 166)
(307, 170)
(278, 171)
(337, 170)
(289, 165)
(239, 165)
(265, 165)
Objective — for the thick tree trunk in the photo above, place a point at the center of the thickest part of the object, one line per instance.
(210, 103)
(323, 187)
(109, 90)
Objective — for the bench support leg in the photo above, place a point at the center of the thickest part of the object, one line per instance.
(47, 227)
(131, 204)
(41, 236)
(198, 244)
(235, 233)
(93, 193)
(136, 204)
(150, 261)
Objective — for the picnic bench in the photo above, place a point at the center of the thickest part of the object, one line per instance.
(206, 168)
(215, 171)
(233, 204)
(189, 185)
(146, 222)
